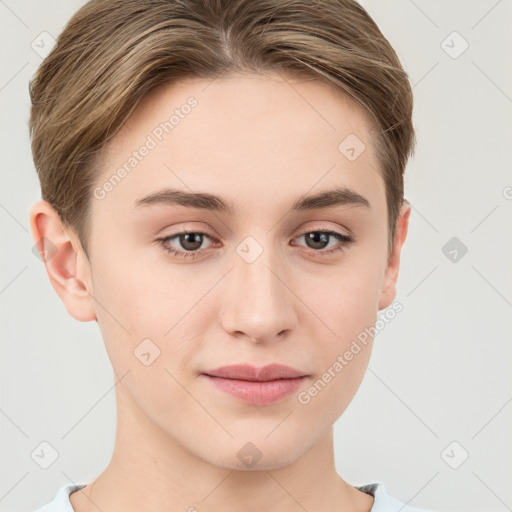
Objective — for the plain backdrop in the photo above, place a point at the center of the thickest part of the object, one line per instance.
(432, 418)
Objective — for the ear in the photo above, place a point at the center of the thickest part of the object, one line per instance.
(64, 259)
(388, 292)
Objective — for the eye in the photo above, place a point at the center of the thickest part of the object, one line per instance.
(190, 241)
(320, 239)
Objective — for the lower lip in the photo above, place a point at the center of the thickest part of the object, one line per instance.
(258, 393)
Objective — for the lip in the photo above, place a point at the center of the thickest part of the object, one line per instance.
(252, 373)
(258, 386)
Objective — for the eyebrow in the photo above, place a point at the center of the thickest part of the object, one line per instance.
(341, 196)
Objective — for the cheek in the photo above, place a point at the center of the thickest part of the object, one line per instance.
(330, 393)
(345, 300)
(136, 302)
(338, 322)
(343, 307)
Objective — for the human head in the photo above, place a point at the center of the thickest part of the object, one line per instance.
(255, 138)
(112, 54)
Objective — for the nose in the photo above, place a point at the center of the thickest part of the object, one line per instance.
(258, 302)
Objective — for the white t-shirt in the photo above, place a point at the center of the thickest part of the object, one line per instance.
(383, 502)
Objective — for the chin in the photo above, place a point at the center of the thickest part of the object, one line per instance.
(263, 455)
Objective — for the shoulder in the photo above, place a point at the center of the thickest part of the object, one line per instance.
(60, 502)
(383, 502)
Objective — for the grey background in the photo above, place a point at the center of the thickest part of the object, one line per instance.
(440, 371)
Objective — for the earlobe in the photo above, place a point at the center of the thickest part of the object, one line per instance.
(388, 292)
(64, 259)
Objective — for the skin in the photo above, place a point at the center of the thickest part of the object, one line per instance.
(260, 141)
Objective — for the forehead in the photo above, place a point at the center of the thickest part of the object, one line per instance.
(245, 136)
(266, 103)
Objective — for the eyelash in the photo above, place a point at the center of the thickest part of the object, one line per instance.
(344, 239)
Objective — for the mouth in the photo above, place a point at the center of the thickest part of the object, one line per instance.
(258, 386)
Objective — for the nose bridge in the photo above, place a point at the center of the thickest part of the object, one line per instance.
(257, 302)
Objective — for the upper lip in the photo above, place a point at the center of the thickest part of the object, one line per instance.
(252, 373)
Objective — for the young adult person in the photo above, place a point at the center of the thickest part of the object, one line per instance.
(222, 192)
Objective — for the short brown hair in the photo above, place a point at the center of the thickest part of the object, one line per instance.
(113, 53)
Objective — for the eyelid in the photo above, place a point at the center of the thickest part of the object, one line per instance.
(323, 228)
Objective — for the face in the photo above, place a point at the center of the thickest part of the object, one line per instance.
(256, 281)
